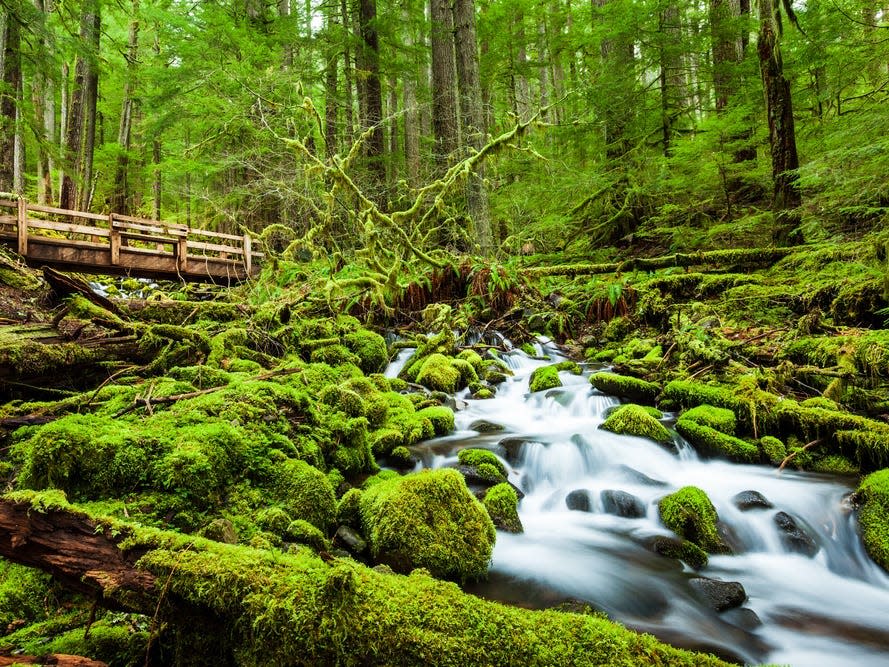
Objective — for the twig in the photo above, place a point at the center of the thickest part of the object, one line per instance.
(793, 455)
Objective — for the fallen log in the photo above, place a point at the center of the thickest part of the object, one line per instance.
(268, 607)
(54, 659)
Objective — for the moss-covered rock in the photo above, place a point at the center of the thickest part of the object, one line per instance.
(625, 386)
(543, 378)
(474, 359)
(476, 457)
(633, 419)
(430, 520)
(369, 347)
(773, 449)
(306, 493)
(348, 510)
(689, 513)
(710, 442)
(442, 418)
(873, 516)
(439, 374)
(501, 502)
(707, 415)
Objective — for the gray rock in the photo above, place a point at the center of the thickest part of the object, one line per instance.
(484, 426)
(749, 500)
(622, 504)
(717, 594)
(221, 530)
(579, 500)
(633, 475)
(795, 538)
(350, 539)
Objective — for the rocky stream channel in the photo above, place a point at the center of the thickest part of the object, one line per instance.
(799, 588)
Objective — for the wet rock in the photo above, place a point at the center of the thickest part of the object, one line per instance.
(717, 594)
(512, 449)
(579, 500)
(622, 504)
(445, 399)
(634, 476)
(560, 396)
(795, 538)
(743, 617)
(349, 539)
(484, 426)
(678, 549)
(750, 500)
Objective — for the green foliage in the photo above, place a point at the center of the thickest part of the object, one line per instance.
(438, 373)
(635, 420)
(689, 513)
(873, 517)
(452, 537)
(773, 449)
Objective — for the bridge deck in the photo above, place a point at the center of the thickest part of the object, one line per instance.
(124, 245)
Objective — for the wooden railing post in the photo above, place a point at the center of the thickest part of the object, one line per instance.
(114, 237)
(22, 226)
(248, 254)
(182, 252)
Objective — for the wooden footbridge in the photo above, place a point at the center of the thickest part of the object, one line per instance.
(123, 245)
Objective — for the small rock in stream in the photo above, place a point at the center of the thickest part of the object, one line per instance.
(717, 594)
(749, 500)
(484, 426)
(743, 617)
(794, 537)
(579, 500)
(512, 449)
(349, 539)
(634, 476)
(622, 504)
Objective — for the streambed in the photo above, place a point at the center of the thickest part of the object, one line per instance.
(828, 608)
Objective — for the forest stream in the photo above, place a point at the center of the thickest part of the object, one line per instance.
(814, 597)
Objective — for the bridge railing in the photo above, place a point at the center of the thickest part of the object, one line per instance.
(116, 231)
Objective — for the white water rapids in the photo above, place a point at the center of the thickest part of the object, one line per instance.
(829, 609)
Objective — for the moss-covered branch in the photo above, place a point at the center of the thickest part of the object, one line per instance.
(297, 609)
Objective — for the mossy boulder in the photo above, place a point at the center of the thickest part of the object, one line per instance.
(625, 386)
(369, 347)
(873, 516)
(710, 442)
(442, 418)
(438, 373)
(501, 502)
(430, 520)
(773, 449)
(474, 457)
(306, 493)
(708, 415)
(543, 378)
(689, 513)
(635, 420)
(474, 359)
(870, 449)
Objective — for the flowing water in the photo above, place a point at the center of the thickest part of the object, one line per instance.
(827, 609)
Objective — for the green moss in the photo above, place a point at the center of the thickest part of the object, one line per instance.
(401, 456)
(474, 359)
(483, 394)
(452, 537)
(528, 349)
(25, 594)
(200, 377)
(343, 399)
(717, 418)
(334, 355)
(871, 449)
(348, 511)
(633, 419)
(543, 378)
(477, 457)
(873, 516)
(689, 513)
(773, 449)
(305, 533)
(442, 418)
(466, 370)
(624, 386)
(683, 550)
(688, 394)
(501, 502)
(710, 442)
(834, 464)
(439, 374)
(306, 493)
(490, 473)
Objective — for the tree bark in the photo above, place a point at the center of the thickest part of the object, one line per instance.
(348, 101)
(120, 199)
(373, 104)
(331, 104)
(472, 117)
(411, 122)
(444, 96)
(90, 100)
(779, 107)
(12, 84)
(616, 107)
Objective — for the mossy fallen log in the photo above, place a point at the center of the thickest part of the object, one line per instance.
(723, 258)
(300, 609)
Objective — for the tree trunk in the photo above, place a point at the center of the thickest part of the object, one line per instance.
(411, 113)
(158, 177)
(672, 81)
(782, 137)
(616, 106)
(120, 199)
(444, 97)
(348, 101)
(330, 82)
(90, 100)
(373, 104)
(392, 114)
(12, 84)
(522, 91)
(472, 117)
